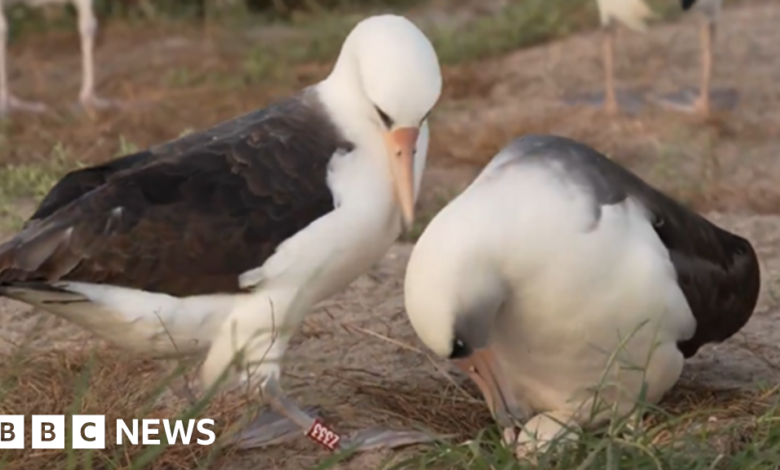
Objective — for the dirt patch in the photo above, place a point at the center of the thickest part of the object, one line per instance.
(729, 163)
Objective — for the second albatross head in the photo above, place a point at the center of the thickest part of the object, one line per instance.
(389, 77)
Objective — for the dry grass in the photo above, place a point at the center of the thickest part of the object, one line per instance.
(105, 381)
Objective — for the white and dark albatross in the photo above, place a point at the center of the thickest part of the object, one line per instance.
(224, 239)
(634, 14)
(555, 258)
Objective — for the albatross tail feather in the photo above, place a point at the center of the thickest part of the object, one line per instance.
(40, 294)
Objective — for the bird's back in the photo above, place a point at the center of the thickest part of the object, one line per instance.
(212, 205)
(717, 270)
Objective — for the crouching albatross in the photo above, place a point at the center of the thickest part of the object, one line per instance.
(558, 275)
(223, 240)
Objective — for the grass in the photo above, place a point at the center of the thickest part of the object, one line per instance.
(519, 24)
(737, 431)
(29, 182)
(694, 428)
(90, 381)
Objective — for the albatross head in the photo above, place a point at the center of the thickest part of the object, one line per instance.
(454, 294)
(389, 78)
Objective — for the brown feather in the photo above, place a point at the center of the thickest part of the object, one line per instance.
(189, 216)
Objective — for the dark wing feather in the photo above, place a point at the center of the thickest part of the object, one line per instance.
(717, 271)
(189, 216)
(79, 182)
(687, 4)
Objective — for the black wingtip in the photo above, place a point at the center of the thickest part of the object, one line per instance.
(687, 4)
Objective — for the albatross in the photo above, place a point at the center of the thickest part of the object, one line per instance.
(87, 24)
(221, 241)
(634, 15)
(563, 284)
(708, 12)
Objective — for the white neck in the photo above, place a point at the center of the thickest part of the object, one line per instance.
(342, 97)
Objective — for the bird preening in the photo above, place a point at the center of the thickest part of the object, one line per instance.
(561, 283)
(219, 243)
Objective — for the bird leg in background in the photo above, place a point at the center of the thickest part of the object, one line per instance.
(88, 30)
(608, 50)
(8, 101)
(689, 101)
(287, 420)
(702, 105)
(610, 101)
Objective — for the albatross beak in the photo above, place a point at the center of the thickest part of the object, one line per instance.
(483, 369)
(401, 145)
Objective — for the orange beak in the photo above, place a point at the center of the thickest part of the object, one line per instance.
(401, 146)
(485, 371)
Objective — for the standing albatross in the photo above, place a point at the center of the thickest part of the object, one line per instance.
(634, 15)
(87, 30)
(555, 258)
(223, 240)
(701, 102)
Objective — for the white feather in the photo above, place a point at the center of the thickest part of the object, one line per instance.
(334, 250)
(146, 323)
(573, 292)
(633, 14)
(311, 266)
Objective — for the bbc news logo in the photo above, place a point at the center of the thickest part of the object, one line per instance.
(89, 431)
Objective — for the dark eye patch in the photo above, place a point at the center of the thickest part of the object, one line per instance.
(387, 120)
(460, 350)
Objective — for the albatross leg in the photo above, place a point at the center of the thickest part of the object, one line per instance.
(687, 100)
(611, 106)
(610, 100)
(88, 30)
(270, 428)
(287, 420)
(8, 101)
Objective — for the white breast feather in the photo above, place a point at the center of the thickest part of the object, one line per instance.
(631, 13)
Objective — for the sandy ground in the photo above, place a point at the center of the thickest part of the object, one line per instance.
(730, 164)
(360, 342)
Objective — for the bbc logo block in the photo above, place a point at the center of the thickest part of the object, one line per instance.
(48, 432)
(89, 431)
(12, 432)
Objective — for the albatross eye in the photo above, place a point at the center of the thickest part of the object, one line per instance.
(386, 120)
(460, 349)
